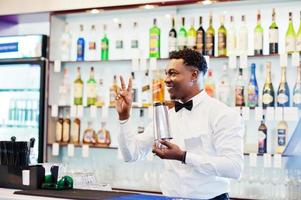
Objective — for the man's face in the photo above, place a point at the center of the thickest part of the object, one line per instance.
(178, 79)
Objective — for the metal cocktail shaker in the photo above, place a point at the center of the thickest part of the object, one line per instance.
(161, 122)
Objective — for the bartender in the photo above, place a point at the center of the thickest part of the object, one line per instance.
(207, 146)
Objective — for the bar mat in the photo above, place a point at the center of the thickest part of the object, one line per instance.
(89, 195)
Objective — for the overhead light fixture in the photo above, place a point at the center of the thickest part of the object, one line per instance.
(148, 6)
(168, 16)
(206, 2)
(94, 11)
(116, 20)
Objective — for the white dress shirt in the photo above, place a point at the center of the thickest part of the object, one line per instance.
(212, 135)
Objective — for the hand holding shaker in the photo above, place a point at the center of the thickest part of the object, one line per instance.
(161, 123)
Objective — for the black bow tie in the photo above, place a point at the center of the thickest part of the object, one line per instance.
(188, 105)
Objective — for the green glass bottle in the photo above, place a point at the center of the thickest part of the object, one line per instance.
(258, 37)
(105, 45)
(191, 35)
(222, 39)
(209, 49)
(91, 89)
(290, 37)
(182, 36)
(273, 35)
(78, 89)
(298, 37)
(154, 41)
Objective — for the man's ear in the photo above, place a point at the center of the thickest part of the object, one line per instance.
(195, 74)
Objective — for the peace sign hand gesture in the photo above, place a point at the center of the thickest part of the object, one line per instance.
(124, 100)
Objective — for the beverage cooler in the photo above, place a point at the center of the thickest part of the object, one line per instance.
(22, 90)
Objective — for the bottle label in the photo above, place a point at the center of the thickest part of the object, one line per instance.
(104, 46)
(297, 98)
(75, 133)
(281, 137)
(273, 35)
(222, 39)
(243, 41)
(134, 44)
(78, 90)
(112, 95)
(172, 44)
(92, 45)
(135, 94)
(191, 41)
(298, 43)
(231, 43)
(91, 90)
(258, 41)
(101, 137)
(239, 96)
(145, 88)
(224, 93)
(290, 43)
(66, 131)
(119, 44)
(154, 43)
(89, 136)
(58, 132)
(261, 141)
(209, 42)
(267, 98)
(182, 40)
(158, 91)
(282, 98)
(80, 50)
(252, 96)
(199, 41)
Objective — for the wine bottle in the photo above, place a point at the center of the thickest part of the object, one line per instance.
(75, 131)
(90, 136)
(224, 87)
(146, 90)
(268, 94)
(210, 46)
(64, 90)
(182, 36)
(222, 38)
(258, 37)
(78, 89)
(210, 84)
(283, 93)
(298, 38)
(135, 90)
(200, 40)
(66, 41)
(134, 39)
(59, 127)
(191, 35)
(81, 45)
(66, 128)
(154, 41)
(240, 90)
(290, 37)
(262, 136)
(91, 89)
(158, 87)
(104, 45)
(253, 88)
(100, 98)
(141, 125)
(103, 135)
(273, 35)
(243, 37)
(113, 91)
(92, 53)
(119, 43)
(231, 38)
(172, 38)
(282, 131)
(297, 90)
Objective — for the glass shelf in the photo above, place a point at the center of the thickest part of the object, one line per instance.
(19, 90)
(61, 144)
(261, 154)
(99, 107)
(17, 126)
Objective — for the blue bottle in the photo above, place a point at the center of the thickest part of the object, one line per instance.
(81, 45)
(253, 88)
(283, 93)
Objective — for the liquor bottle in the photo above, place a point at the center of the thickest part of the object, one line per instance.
(297, 90)
(154, 41)
(268, 94)
(209, 49)
(172, 38)
(66, 41)
(258, 37)
(135, 90)
(253, 88)
(75, 131)
(158, 87)
(182, 36)
(81, 45)
(210, 84)
(92, 53)
(103, 135)
(231, 38)
(66, 127)
(240, 90)
(224, 87)
(290, 37)
(104, 45)
(262, 136)
(141, 125)
(100, 97)
(191, 35)
(90, 136)
(273, 35)
(91, 89)
(283, 93)
(119, 43)
(78, 89)
(135, 41)
(298, 37)
(222, 39)
(64, 90)
(200, 39)
(146, 90)
(113, 91)
(243, 37)
(59, 127)
(282, 131)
